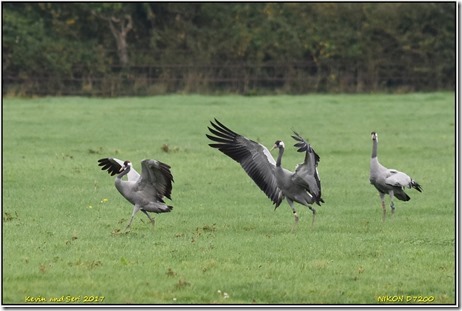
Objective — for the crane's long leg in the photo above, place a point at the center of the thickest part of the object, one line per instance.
(314, 214)
(151, 219)
(392, 204)
(135, 210)
(294, 211)
(382, 198)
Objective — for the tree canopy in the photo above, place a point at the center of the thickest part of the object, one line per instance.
(156, 47)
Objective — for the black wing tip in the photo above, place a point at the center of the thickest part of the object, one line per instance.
(222, 128)
(210, 136)
(302, 144)
(297, 136)
(165, 171)
(108, 165)
(416, 186)
(319, 201)
(217, 123)
(103, 161)
(224, 139)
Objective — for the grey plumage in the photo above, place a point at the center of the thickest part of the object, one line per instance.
(146, 191)
(389, 181)
(302, 186)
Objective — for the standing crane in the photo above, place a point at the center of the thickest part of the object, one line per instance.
(302, 186)
(389, 181)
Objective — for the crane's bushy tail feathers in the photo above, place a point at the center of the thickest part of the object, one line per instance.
(318, 200)
(402, 196)
(164, 209)
(416, 186)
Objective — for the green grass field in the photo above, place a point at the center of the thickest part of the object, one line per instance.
(64, 222)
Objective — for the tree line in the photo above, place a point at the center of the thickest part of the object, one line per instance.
(149, 48)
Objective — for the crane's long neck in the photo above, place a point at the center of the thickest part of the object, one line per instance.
(374, 149)
(281, 152)
(122, 174)
(375, 165)
(124, 186)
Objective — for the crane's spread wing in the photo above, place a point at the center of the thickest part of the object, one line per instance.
(304, 146)
(306, 173)
(113, 167)
(156, 180)
(254, 158)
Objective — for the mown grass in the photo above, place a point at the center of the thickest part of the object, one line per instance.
(223, 243)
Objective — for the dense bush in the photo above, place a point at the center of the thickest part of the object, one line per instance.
(149, 48)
